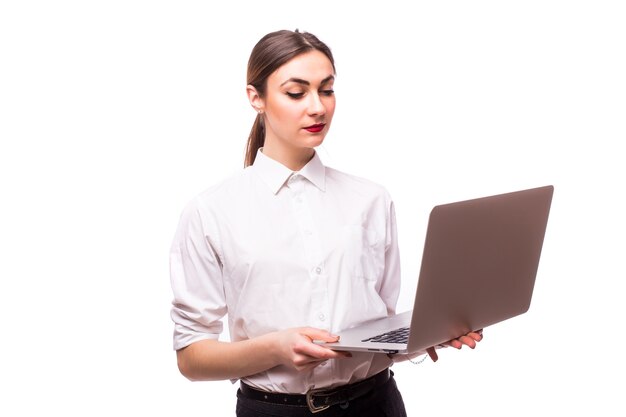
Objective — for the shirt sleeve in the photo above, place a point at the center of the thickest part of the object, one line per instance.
(390, 284)
(197, 281)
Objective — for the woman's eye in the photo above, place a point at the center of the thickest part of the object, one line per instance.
(329, 92)
(295, 95)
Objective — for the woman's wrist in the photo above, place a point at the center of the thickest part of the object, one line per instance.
(270, 344)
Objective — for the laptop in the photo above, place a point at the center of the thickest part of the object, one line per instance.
(478, 268)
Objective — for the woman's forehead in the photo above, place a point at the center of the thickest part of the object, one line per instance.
(312, 67)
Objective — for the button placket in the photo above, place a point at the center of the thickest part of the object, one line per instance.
(319, 313)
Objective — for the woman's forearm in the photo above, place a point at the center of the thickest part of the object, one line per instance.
(210, 360)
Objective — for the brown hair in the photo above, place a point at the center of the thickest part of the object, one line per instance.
(270, 53)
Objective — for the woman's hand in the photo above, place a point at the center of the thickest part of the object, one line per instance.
(470, 339)
(296, 349)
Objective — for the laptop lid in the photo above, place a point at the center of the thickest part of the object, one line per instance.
(478, 268)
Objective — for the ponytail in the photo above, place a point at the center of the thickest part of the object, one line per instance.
(255, 140)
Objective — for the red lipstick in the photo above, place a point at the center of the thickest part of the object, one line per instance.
(316, 128)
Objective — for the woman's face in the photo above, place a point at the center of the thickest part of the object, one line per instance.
(299, 104)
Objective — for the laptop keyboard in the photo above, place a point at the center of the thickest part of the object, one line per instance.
(395, 336)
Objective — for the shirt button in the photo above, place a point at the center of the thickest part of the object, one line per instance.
(308, 232)
(322, 317)
(298, 199)
(318, 270)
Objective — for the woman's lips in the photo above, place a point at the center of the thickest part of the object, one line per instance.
(315, 128)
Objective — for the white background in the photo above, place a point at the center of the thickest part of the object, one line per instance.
(114, 114)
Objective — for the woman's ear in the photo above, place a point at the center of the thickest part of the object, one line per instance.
(257, 103)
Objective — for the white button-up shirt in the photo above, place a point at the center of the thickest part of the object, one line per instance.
(275, 249)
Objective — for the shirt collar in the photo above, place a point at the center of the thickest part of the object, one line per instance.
(275, 174)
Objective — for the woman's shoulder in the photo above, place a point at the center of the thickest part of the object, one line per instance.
(223, 191)
(357, 183)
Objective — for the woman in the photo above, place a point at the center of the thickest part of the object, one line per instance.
(292, 251)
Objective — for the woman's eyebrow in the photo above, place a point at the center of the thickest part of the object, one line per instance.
(305, 82)
(327, 79)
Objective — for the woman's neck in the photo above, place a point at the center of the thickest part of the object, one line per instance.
(294, 159)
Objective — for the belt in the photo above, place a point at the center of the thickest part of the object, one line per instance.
(319, 399)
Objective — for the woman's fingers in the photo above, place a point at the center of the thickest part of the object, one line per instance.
(318, 334)
(469, 339)
(306, 347)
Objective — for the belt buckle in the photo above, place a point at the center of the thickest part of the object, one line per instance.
(309, 401)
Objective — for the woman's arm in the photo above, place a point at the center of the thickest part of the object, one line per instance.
(210, 360)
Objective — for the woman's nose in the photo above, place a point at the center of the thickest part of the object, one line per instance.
(316, 106)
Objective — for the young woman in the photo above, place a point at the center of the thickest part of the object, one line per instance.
(292, 251)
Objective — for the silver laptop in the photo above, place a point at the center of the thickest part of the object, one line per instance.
(478, 268)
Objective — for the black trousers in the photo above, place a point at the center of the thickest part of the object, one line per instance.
(384, 401)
